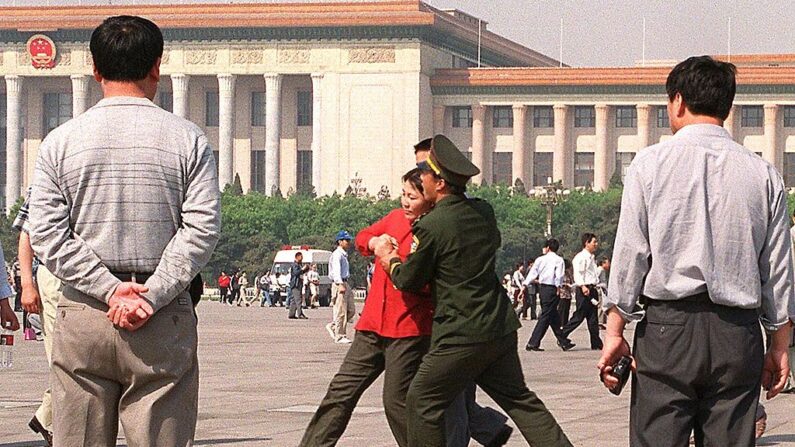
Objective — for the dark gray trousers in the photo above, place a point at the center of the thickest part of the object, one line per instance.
(369, 356)
(699, 370)
(466, 419)
(295, 304)
(549, 317)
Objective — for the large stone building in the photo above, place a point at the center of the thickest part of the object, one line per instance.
(293, 95)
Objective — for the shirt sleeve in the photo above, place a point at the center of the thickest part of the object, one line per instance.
(21, 221)
(775, 266)
(559, 271)
(63, 252)
(417, 270)
(334, 268)
(579, 266)
(374, 230)
(532, 274)
(193, 244)
(631, 252)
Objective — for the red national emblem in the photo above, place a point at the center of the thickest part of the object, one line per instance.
(42, 51)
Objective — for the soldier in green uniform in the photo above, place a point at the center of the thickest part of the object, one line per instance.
(474, 328)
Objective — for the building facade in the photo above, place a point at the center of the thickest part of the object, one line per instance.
(298, 96)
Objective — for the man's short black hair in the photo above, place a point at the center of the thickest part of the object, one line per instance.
(125, 48)
(707, 86)
(424, 145)
(552, 245)
(299, 254)
(603, 259)
(587, 237)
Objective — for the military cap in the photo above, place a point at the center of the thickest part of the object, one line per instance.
(448, 162)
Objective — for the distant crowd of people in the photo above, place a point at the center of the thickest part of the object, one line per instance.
(528, 282)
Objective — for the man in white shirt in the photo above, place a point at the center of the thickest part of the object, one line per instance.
(703, 245)
(313, 279)
(344, 307)
(585, 280)
(549, 271)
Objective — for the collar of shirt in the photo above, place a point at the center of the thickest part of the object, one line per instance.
(701, 130)
(124, 101)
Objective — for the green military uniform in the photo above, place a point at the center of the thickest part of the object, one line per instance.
(474, 329)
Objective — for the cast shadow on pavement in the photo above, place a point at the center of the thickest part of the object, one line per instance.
(775, 440)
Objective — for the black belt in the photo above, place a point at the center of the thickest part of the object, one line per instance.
(547, 285)
(140, 278)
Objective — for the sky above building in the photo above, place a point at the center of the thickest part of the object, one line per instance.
(607, 32)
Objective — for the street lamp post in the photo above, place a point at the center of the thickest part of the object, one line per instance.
(551, 195)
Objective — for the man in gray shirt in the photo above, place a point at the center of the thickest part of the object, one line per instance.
(125, 210)
(703, 244)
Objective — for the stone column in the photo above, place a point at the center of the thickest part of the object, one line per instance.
(13, 139)
(438, 120)
(773, 151)
(179, 93)
(479, 141)
(519, 160)
(226, 113)
(563, 157)
(644, 125)
(273, 96)
(730, 120)
(604, 155)
(79, 94)
(316, 129)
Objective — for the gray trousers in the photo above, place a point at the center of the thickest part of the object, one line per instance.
(699, 370)
(147, 379)
(295, 304)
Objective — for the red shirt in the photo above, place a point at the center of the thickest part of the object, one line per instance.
(387, 311)
(224, 280)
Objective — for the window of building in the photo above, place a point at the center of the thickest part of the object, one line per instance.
(789, 169)
(462, 116)
(583, 169)
(304, 108)
(542, 168)
(626, 117)
(303, 173)
(502, 168)
(502, 116)
(584, 116)
(57, 110)
(257, 109)
(752, 116)
(258, 171)
(211, 109)
(623, 160)
(166, 101)
(789, 116)
(543, 116)
(662, 118)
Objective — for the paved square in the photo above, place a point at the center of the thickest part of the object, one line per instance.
(263, 375)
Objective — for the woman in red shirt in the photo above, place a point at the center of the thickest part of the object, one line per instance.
(392, 335)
